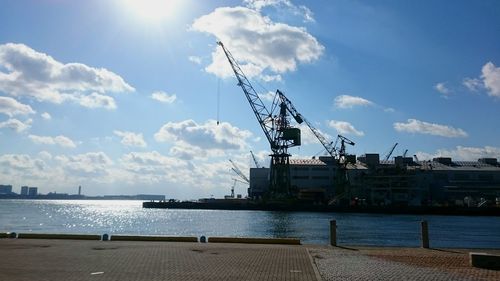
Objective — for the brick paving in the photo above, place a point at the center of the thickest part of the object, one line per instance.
(55, 260)
(368, 263)
(118, 260)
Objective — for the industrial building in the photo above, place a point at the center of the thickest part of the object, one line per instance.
(402, 181)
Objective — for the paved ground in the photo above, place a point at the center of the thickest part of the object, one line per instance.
(33, 260)
(362, 263)
(39, 260)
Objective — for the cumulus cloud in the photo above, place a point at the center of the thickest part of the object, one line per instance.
(46, 116)
(12, 107)
(262, 47)
(463, 153)
(421, 127)
(346, 101)
(87, 164)
(131, 139)
(163, 97)
(16, 125)
(441, 88)
(300, 10)
(491, 79)
(96, 100)
(345, 128)
(16, 163)
(26, 72)
(150, 162)
(206, 136)
(58, 140)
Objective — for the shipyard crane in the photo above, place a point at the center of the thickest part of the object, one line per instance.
(329, 147)
(390, 152)
(341, 151)
(276, 127)
(238, 172)
(406, 152)
(254, 160)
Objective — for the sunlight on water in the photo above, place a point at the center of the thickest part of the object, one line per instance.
(128, 217)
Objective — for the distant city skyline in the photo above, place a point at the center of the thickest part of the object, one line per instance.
(135, 97)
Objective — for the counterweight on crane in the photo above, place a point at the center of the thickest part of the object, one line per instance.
(279, 133)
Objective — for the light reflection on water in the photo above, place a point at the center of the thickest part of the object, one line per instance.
(128, 217)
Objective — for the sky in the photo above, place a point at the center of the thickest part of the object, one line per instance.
(135, 96)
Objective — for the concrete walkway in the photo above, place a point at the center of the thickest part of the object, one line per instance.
(54, 260)
(38, 259)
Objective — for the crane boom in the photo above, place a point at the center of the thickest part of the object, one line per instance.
(390, 152)
(254, 160)
(330, 148)
(264, 117)
(239, 172)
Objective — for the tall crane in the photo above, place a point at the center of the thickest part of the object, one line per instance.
(254, 160)
(276, 127)
(329, 147)
(390, 152)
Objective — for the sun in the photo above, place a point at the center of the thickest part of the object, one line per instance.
(152, 10)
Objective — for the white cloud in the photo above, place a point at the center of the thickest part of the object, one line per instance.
(26, 72)
(163, 97)
(441, 88)
(131, 139)
(421, 127)
(345, 128)
(261, 46)
(194, 59)
(206, 136)
(58, 140)
(473, 84)
(463, 153)
(301, 10)
(308, 137)
(96, 100)
(346, 101)
(16, 125)
(87, 164)
(12, 107)
(15, 164)
(491, 79)
(269, 96)
(46, 116)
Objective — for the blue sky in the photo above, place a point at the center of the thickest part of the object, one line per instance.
(121, 97)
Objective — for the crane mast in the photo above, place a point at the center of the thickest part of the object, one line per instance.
(276, 127)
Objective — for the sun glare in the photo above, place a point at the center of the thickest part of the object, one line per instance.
(152, 10)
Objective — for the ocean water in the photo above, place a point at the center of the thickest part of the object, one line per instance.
(128, 217)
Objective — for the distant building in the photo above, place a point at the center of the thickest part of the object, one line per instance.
(32, 191)
(5, 189)
(79, 190)
(24, 190)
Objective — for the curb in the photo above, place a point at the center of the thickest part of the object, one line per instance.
(285, 241)
(58, 236)
(154, 238)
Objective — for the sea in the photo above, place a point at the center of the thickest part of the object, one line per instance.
(128, 217)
